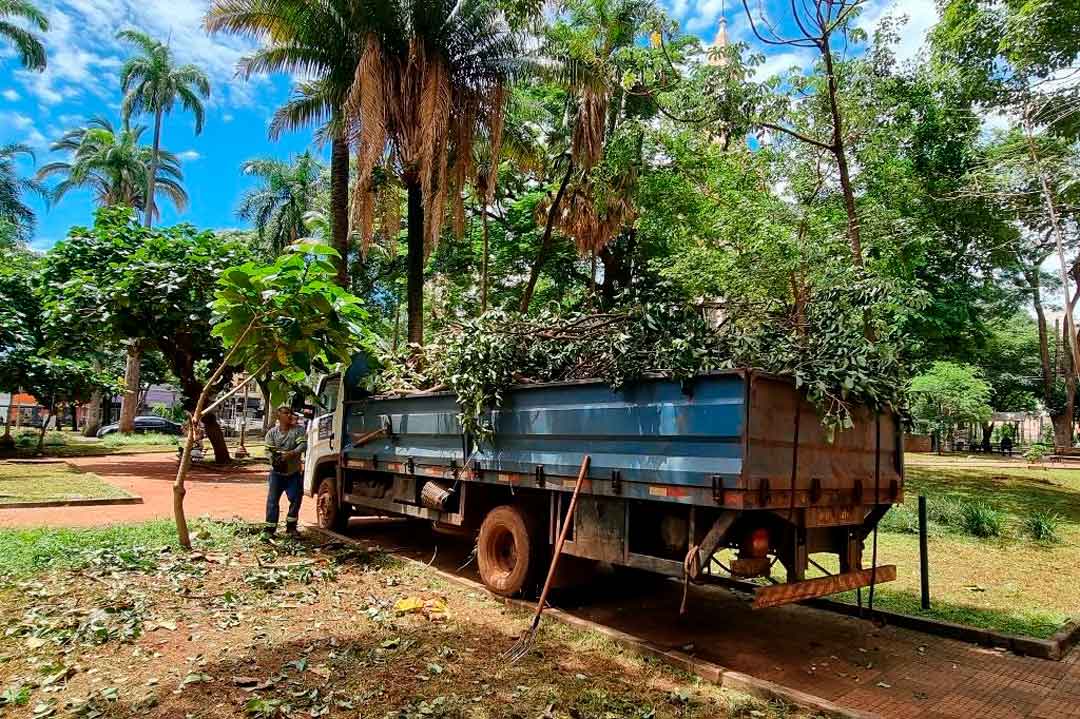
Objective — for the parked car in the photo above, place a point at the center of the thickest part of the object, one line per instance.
(151, 424)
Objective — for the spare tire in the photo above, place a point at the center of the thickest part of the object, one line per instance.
(507, 551)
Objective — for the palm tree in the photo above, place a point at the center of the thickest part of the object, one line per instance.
(16, 217)
(322, 42)
(433, 73)
(152, 83)
(113, 166)
(280, 204)
(30, 49)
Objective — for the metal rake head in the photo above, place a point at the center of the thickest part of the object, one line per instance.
(522, 646)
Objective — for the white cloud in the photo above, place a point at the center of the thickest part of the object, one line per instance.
(10, 95)
(921, 14)
(84, 56)
(189, 155)
(227, 117)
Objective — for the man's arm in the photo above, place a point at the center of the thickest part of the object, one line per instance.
(268, 441)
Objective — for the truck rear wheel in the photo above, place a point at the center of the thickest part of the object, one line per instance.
(332, 515)
(507, 551)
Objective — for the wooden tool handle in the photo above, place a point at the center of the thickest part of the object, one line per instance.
(562, 534)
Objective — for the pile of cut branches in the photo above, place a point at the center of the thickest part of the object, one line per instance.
(828, 353)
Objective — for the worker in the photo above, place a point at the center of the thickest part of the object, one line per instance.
(285, 443)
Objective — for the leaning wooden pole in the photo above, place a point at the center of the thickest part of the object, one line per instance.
(521, 647)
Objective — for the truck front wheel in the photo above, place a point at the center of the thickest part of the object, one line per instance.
(331, 513)
(507, 551)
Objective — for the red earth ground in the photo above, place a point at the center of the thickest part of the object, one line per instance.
(217, 492)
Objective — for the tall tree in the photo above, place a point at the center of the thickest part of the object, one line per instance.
(114, 166)
(321, 41)
(14, 212)
(152, 83)
(431, 74)
(816, 25)
(151, 286)
(28, 45)
(279, 204)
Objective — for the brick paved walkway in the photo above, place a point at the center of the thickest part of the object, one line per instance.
(885, 671)
(217, 492)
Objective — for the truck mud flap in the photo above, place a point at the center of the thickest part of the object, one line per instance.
(779, 594)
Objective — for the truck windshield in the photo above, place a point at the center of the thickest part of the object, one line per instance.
(328, 395)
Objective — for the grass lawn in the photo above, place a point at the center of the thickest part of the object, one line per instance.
(120, 623)
(1010, 583)
(66, 443)
(51, 482)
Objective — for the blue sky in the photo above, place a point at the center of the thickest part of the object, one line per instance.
(84, 61)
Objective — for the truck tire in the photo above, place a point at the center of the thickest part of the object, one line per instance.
(507, 551)
(331, 514)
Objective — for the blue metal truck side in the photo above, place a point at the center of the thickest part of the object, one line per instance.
(728, 469)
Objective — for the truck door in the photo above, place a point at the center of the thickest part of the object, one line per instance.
(323, 444)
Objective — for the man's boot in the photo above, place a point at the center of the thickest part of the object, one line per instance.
(290, 529)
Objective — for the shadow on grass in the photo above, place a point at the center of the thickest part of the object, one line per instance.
(1018, 492)
(1037, 623)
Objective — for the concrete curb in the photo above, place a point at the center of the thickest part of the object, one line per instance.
(706, 670)
(72, 503)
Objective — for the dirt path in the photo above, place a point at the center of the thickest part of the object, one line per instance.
(223, 493)
(885, 671)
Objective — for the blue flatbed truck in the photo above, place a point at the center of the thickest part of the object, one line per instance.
(730, 470)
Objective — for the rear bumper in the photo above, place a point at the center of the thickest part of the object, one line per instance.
(791, 592)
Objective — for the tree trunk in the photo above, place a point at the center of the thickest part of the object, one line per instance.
(151, 179)
(1044, 335)
(545, 241)
(74, 417)
(216, 438)
(840, 152)
(339, 205)
(129, 403)
(268, 411)
(1059, 241)
(415, 287)
(484, 262)
(93, 414)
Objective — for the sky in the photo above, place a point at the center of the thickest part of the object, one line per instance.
(84, 60)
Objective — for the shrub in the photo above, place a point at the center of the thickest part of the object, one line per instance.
(945, 511)
(123, 440)
(1043, 526)
(901, 519)
(981, 520)
(1036, 452)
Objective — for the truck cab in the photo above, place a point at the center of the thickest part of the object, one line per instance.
(323, 440)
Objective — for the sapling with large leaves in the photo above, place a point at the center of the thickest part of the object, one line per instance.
(283, 320)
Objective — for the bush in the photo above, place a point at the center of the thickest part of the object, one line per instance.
(123, 440)
(1043, 526)
(29, 438)
(1036, 452)
(901, 519)
(945, 511)
(981, 520)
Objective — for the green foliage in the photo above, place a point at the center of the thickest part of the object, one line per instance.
(120, 280)
(284, 197)
(652, 332)
(1043, 526)
(982, 520)
(949, 394)
(17, 219)
(1036, 452)
(175, 413)
(114, 165)
(28, 551)
(288, 318)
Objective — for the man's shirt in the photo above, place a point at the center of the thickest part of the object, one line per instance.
(292, 439)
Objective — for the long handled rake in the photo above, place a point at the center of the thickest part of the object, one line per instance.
(522, 646)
